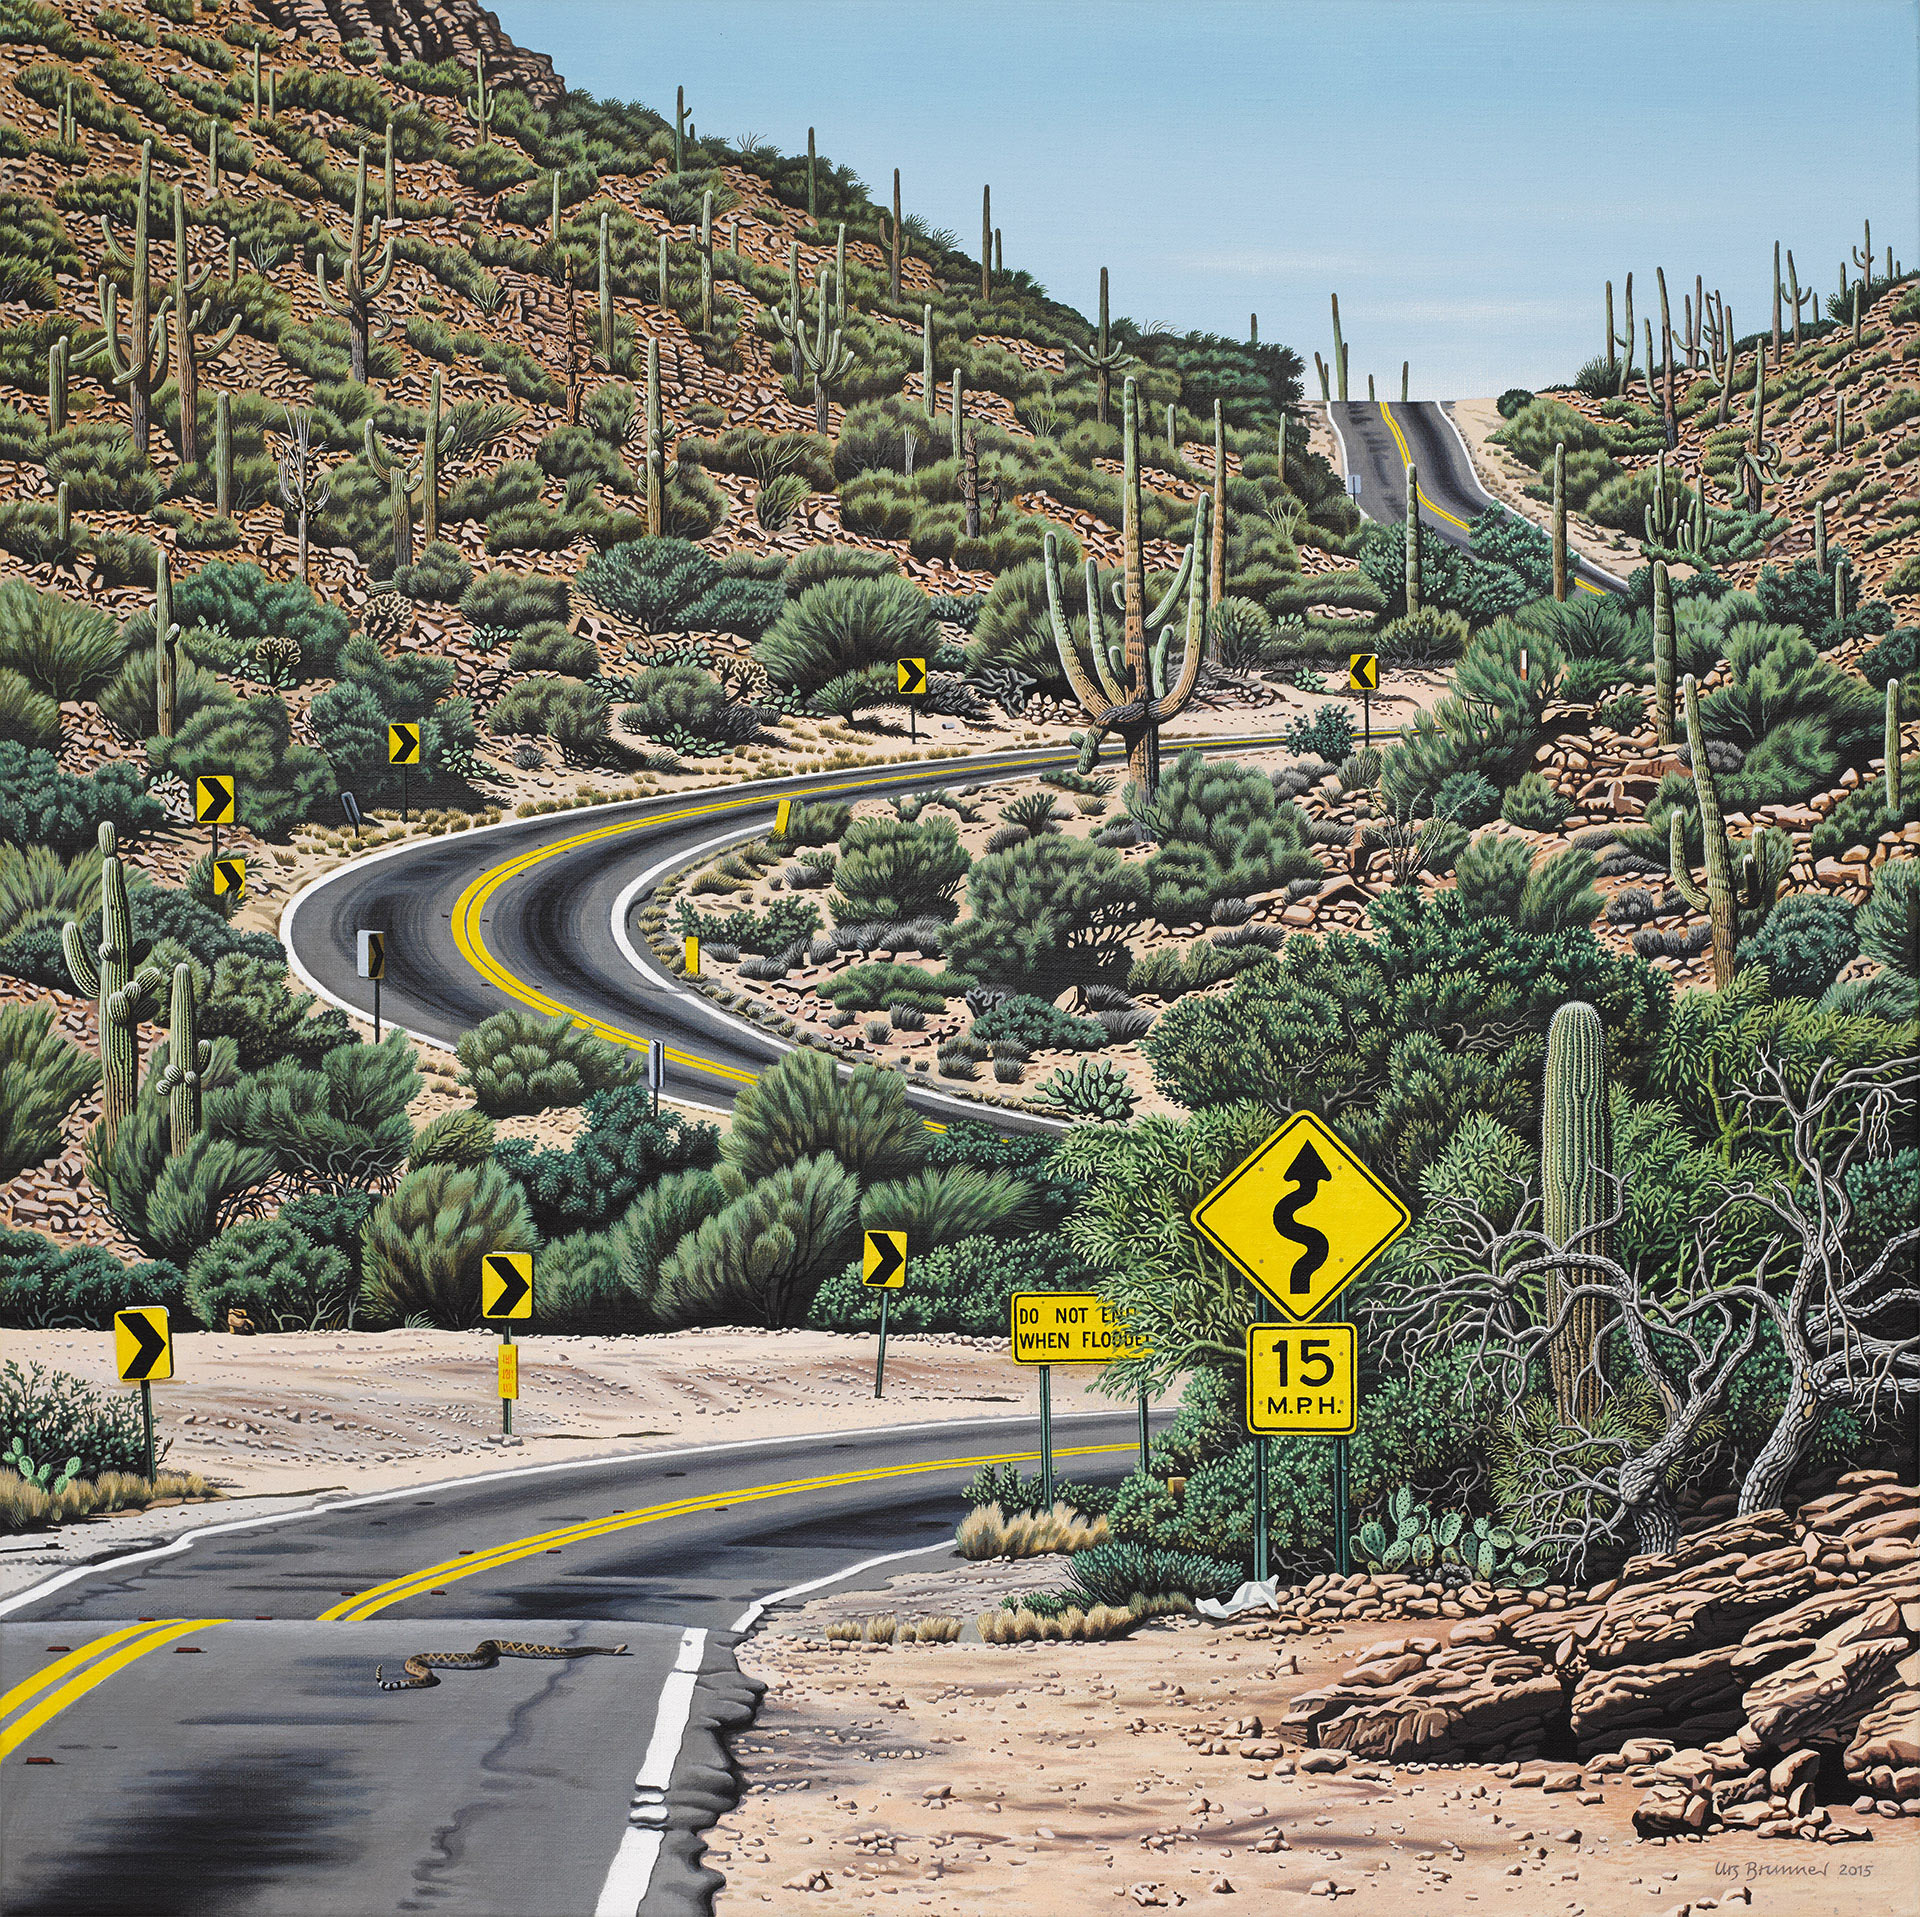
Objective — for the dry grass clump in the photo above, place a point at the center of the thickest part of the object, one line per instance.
(25, 1507)
(885, 1628)
(987, 1532)
(1073, 1625)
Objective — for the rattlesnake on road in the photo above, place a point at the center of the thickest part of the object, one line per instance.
(483, 1657)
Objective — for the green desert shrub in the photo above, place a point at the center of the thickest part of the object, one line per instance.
(425, 1242)
(761, 1259)
(1889, 922)
(454, 1138)
(97, 464)
(279, 782)
(277, 1275)
(892, 872)
(1804, 942)
(27, 718)
(549, 647)
(129, 703)
(1223, 834)
(438, 577)
(45, 1286)
(624, 1149)
(802, 1108)
(684, 707)
(961, 1285)
(516, 599)
(1049, 914)
(1531, 803)
(844, 626)
(54, 1416)
(43, 1075)
(61, 649)
(519, 1061)
(1038, 1025)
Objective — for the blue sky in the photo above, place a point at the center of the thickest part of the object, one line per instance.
(1466, 174)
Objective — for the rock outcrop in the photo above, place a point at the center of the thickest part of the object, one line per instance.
(429, 30)
(1766, 1652)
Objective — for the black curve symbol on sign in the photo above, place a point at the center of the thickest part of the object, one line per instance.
(1308, 1172)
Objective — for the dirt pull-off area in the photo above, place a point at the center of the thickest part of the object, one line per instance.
(1051, 1779)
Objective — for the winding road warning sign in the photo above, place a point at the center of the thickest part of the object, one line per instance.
(1301, 1216)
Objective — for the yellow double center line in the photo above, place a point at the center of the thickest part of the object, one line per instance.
(1406, 459)
(80, 1671)
(364, 1604)
(472, 904)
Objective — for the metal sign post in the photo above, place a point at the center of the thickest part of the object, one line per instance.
(1260, 1510)
(1363, 677)
(1046, 1437)
(506, 1293)
(215, 803)
(351, 807)
(883, 1268)
(1069, 1328)
(403, 750)
(142, 1353)
(370, 961)
(912, 677)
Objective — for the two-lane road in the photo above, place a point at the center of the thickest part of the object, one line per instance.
(1380, 439)
(196, 1728)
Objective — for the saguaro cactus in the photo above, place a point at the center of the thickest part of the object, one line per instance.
(480, 104)
(926, 364)
(1820, 537)
(188, 319)
(813, 165)
(1576, 1160)
(1763, 859)
(553, 211)
(1339, 351)
(1560, 520)
(826, 356)
(957, 414)
(986, 242)
(655, 449)
(1891, 745)
(357, 291)
(141, 364)
(663, 269)
(57, 384)
(893, 256)
(106, 975)
(706, 261)
(1412, 571)
(606, 292)
(164, 632)
(222, 455)
(679, 129)
(1217, 554)
(1104, 357)
(1665, 654)
(1669, 424)
(304, 486)
(404, 477)
(1132, 696)
(390, 194)
(188, 1056)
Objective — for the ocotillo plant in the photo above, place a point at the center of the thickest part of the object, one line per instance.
(656, 448)
(164, 634)
(188, 1056)
(1665, 654)
(222, 455)
(106, 975)
(1412, 569)
(1104, 357)
(1577, 1197)
(304, 486)
(706, 261)
(356, 291)
(141, 364)
(1560, 520)
(926, 364)
(1339, 351)
(1763, 859)
(826, 356)
(480, 104)
(986, 243)
(1890, 745)
(893, 257)
(1130, 700)
(605, 268)
(188, 358)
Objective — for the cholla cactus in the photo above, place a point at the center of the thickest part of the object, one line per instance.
(387, 618)
(276, 661)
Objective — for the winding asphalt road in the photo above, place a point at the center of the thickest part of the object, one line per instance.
(538, 913)
(1381, 438)
(164, 1747)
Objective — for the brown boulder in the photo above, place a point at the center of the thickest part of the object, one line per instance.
(1697, 1697)
(1826, 1692)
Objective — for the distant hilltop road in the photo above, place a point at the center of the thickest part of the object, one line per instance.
(427, 30)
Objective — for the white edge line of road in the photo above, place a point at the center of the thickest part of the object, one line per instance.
(1473, 473)
(630, 1876)
(752, 1614)
(35, 1594)
(654, 976)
